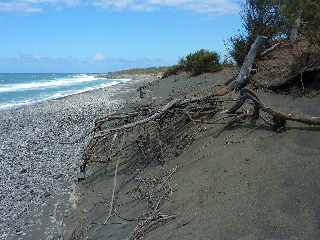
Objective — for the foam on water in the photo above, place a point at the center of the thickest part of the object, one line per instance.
(82, 78)
(58, 87)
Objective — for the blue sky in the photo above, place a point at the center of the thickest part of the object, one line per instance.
(107, 35)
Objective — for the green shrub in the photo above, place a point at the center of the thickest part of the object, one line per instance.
(274, 19)
(263, 17)
(201, 61)
(196, 63)
(173, 70)
(259, 17)
(309, 11)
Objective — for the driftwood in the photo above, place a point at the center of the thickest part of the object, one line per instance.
(239, 81)
(141, 122)
(114, 182)
(244, 76)
(154, 190)
(278, 117)
(204, 110)
(271, 49)
(197, 110)
(169, 122)
(294, 33)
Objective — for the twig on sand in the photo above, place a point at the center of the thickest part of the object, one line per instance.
(114, 182)
(154, 217)
(141, 122)
(152, 221)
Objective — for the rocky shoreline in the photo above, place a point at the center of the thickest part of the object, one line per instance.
(38, 163)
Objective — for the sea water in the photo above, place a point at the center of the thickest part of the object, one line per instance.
(18, 89)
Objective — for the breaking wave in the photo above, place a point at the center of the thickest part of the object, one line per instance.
(74, 80)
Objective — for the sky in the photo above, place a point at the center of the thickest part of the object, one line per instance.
(109, 35)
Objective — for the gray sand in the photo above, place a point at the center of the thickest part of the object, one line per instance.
(38, 166)
(245, 183)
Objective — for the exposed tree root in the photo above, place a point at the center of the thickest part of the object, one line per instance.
(148, 131)
(278, 117)
(207, 110)
(151, 134)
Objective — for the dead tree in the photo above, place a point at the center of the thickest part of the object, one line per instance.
(206, 110)
(294, 33)
(243, 78)
(245, 71)
(171, 121)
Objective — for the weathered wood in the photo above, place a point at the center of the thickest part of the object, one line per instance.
(247, 94)
(244, 75)
(294, 34)
(269, 50)
(114, 183)
(143, 121)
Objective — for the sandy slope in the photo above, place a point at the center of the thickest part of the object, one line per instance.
(260, 186)
(242, 183)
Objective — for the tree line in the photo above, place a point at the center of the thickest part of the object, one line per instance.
(277, 20)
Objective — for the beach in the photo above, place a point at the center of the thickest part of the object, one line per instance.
(242, 182)
(246, 182)
(159, 120)
(40, 155)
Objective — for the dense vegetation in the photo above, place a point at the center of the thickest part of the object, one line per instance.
(275, 19)
(149, 70)
(196, 63)
(309, 11)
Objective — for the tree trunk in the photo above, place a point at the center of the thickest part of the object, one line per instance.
(244, 75)
(295, 28)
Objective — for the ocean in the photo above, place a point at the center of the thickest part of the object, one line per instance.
(18, 89)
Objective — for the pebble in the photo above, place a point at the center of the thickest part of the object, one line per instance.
(36, 163)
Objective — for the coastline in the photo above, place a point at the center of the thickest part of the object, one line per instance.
(38, 166)
(111, 81)
(223, 176)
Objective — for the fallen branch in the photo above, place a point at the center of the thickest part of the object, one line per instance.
(278, 117)
(271, 49)
(114, 184)
(244, 76)
(143, 121)
(178, 113)
(151, 222)
(238, 82)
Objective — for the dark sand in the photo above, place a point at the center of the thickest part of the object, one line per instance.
(243, 183)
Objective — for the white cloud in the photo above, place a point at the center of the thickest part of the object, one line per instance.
(18, 7)
(34, 6)
(199, 6)
(99, 57)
